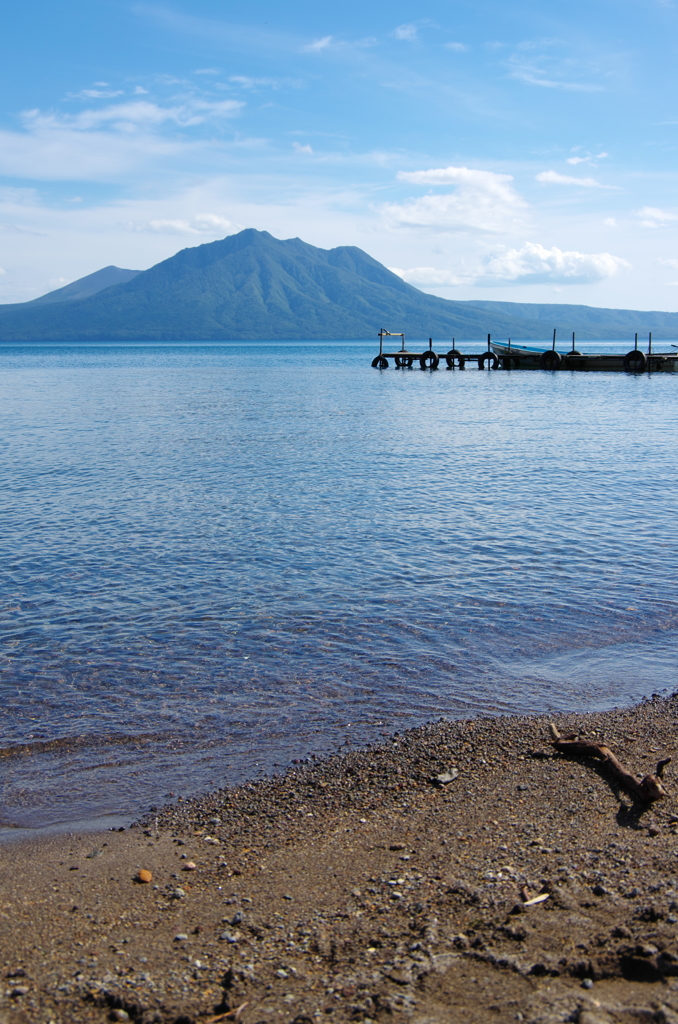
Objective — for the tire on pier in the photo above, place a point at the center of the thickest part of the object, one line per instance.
(380, 362)
(403, 362)
(428, 360)
(635, 361)
(488, 357)
(550, 360)
(455, 358)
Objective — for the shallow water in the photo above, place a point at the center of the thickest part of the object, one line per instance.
(220, 557)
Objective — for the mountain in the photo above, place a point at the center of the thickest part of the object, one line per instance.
(588, 319)
(251, 286)
(86, 286)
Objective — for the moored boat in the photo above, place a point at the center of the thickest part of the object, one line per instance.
(521, 357)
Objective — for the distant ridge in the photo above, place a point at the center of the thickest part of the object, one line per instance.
(85, 286)
(252, 286)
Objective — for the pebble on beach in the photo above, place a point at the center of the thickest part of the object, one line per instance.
(144, 876)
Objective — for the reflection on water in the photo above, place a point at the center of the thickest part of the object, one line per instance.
(218, 558)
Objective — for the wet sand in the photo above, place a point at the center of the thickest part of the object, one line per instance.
(361, 888)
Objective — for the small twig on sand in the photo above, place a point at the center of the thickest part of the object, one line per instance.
(235, 1014)
(648, 789)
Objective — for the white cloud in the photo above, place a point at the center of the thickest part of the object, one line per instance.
(2, 271)
(429, 277)
(458, 47)
(531, 264)
(140, 91)
(653, 217)
(408, 32)
(668, 263)
(553, 178)
(537, 265)
(483, 201)
(207, 71)
(610, 222)
(302, 149)
(318, 44)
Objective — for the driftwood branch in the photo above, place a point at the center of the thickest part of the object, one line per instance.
(648, 789)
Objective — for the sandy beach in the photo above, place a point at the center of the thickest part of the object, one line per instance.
(363, 888)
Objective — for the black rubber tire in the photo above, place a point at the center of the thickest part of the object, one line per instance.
(488, 357)
(510, 363)
(403, 362)
(635, 361)
(574, 352)
(429, 360)
(550, 360)
(455, 358)
(380, 362)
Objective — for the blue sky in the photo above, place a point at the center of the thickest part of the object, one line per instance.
(524, 151)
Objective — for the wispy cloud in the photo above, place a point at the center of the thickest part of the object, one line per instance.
(407, 32)
(574, 160)
(138, 113)
(200, 224)
(318, 44)
(482, 201)
(544, 63)
(207, 71)
(457, 47)
(554, 178)
(95, 94)
(252, 83)
(429, 277)
(241, 39)
(653, 217)
(302, 149)
(106, 143)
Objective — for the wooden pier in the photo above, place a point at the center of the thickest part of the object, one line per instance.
(505, 356)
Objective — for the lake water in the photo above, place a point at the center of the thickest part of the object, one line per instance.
(217, 558)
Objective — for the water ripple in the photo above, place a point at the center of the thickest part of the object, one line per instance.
(217, 558)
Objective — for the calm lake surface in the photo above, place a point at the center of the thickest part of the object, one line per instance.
(217, 558)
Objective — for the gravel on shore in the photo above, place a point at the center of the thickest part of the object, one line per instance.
(386, 884)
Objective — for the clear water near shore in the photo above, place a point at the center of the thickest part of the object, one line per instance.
(220, 557)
